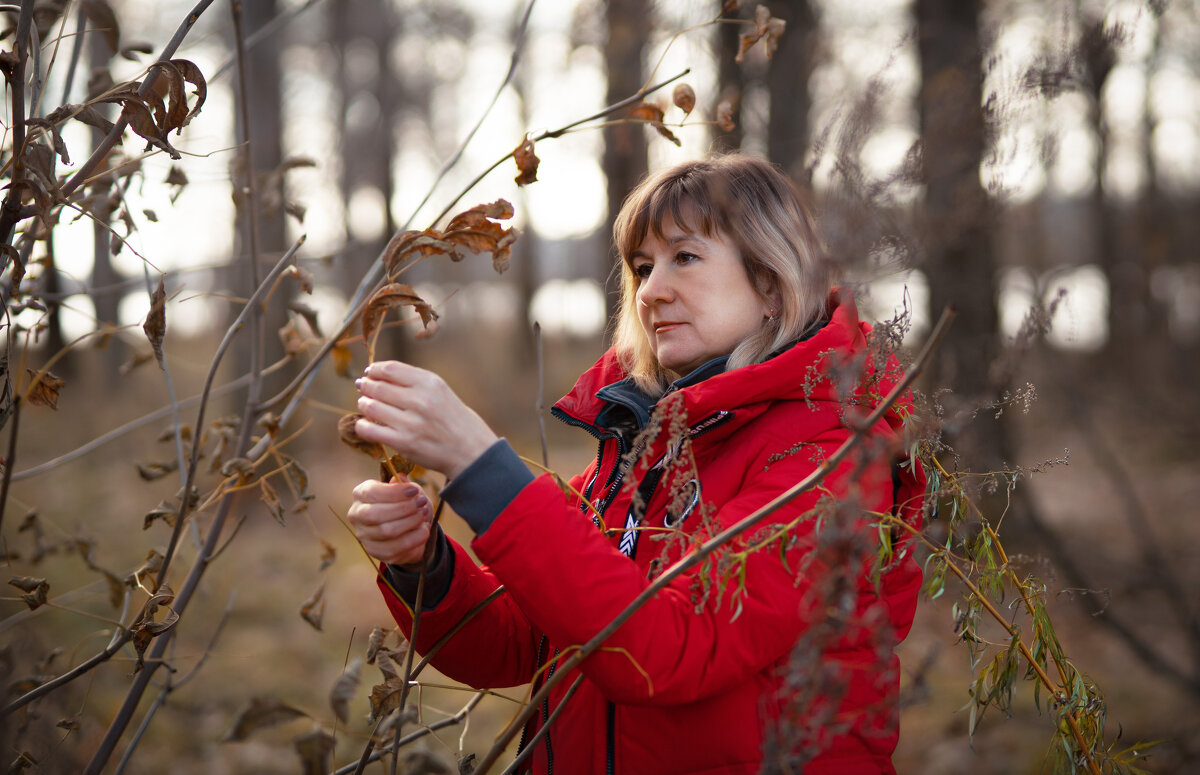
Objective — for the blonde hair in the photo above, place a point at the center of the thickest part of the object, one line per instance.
(753, 205)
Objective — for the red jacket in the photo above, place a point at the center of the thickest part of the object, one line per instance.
(790, 654)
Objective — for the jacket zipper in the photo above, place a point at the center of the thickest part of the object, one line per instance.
(611, 741)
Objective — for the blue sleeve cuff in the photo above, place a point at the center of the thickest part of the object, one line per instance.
(487, 486)
(404, 578)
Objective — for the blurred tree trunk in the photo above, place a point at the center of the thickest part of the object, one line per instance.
(624, 163)
(369, 108)
(960, 260)
(106, 296)
(731, 82)
(788, 75)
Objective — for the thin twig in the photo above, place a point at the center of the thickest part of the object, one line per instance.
(11, 211)
(544, 729)
(698, 555)
(541, 401)
(416, 734)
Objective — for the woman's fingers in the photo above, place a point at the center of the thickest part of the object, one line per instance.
(392, 520)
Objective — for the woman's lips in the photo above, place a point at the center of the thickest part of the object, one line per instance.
(666, 325)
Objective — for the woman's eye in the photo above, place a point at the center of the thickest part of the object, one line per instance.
(642, 271)
(685, 258)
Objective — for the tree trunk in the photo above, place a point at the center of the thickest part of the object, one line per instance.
(959, 256)
(787, 87)
(625, 163)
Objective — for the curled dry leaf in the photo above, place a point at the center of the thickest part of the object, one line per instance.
(35, 590)
(145, 628)
(390, 296)
(313, 610)
(766, 28)
(653, 115)
(270, 499)
(725, 116)
(155, 326)
(684, 98)
(527, 162)
(730, 6)
(328, 555)
(262, 713)
(343, 359)
(156, 469)
(375, 643)
(44, 390)
(349, 436)
(344, 689)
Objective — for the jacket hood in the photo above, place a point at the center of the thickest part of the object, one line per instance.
(835, 364)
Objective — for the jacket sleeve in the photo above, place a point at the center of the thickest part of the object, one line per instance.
(496, 648)
(570, 581)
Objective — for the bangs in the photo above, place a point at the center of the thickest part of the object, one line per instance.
(686, 199)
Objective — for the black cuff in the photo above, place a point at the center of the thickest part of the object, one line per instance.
(487, 486)
(404, 578)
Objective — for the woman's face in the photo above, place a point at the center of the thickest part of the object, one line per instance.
(695, 300)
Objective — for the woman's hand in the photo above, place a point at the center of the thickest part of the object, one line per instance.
(391, 520)
(414, 412)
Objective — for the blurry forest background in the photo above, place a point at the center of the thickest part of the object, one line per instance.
(1034, 163)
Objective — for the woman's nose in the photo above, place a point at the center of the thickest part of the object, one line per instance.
(656, 287)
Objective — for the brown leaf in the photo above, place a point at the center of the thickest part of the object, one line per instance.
(385, 697)
(344, 689)
(36, 590)
(242, 468)
(44, 391)
(315, 748)
(270, 498)
(297, 211)
(70, 724)
(328, 555)
(388, 297)
(424, 243)
(170, 79)
(104, 21)
(527, 162)
(667, 133)
(149, 472)
(191, 73)
(648, 111)
(766, 28)
(730, 6)
(143, 123)
(295, 341)
(684, 98)
(305, 279)
(313, 610)
(375, 643)
(343, 359)
(155, 326)
(725, 116)
(774, 32)
(151, 565)
(350, 437)
(145, 628)
(165, 511)
(262, 713)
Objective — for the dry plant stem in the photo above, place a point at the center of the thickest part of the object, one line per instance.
(171, 686)
(417, 734)
(11, 211)
(114, 135)
(1015, 632)
(251, 200)
(700, 553)
(251, 308)
(76, 53)
(11, 458)
(543, 730)
(292, 394)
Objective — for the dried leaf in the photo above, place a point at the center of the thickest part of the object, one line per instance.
(766, 28)
(375, 643)
(725, 116)
(297, 211)
(527, 162)
(774, 32)
(315, 748)
(71, 724)
(143, 124)
(145, 628)
(262, 713)
(313, 610)
(171, 79)
(328, 555)
(648, 111)
(343, 359)
(305, 279)
(155, 326)
(131, 50)
(165, 511)
(44, 391)
(295, 341)
(149, 472)
(104, 21)
(36, 590)
(388, 297)
(344, 689)
(350, 437)
(241, 467)
(191, 73)
(684, 98)
(270, 498)
(385, 697)
(667, 133)
(730, 6)
(150, 566)
(424, 243)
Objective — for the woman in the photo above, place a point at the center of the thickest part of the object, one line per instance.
(774, 658)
